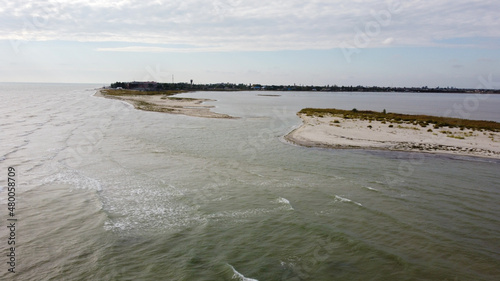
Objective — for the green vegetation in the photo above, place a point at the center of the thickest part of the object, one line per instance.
(155, 86)
(182, 99)
(460, 135)
(408, 128)
(422, 120)
(145, 105)
(142, 105)
(122, 92)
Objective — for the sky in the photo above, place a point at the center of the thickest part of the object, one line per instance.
(399, 43)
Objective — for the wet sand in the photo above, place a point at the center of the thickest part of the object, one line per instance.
(167, 104)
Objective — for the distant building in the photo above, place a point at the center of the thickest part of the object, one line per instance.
(137, 85)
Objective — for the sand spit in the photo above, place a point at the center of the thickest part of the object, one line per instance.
(337, 132)
(167, 104)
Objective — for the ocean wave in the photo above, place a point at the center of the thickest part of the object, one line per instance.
(370, 188)
(75, 179)
(286, 204)
(238, 214)
(239, 276)
(346, 200)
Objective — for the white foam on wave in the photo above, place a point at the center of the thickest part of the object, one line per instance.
(370, 188)
(135, 204)
(238, 214)
(346, 200)
(75, 179)
(285, 202)
(239, 276)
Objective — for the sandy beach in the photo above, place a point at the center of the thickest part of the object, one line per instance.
(167, 104)
(337, 132)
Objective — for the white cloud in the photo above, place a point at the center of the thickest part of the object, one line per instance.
(250, 25)
(152, 49)
(388, 41)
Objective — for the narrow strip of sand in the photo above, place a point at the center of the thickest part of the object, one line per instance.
(166, 103)
(338, 132)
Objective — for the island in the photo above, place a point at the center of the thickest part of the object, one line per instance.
(156, 86)
(335, 128)
(162, 101)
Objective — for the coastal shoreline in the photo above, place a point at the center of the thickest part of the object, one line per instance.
(165, 103)
(336, 132)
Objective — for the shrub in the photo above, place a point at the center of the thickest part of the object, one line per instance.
(394, 117)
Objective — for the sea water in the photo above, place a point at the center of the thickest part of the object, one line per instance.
(107, 192)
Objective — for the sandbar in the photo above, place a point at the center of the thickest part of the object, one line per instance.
(334, 131)
(164, 103)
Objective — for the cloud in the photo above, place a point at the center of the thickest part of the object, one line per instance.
(225, 25)
(155, 49)
(388, 41)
